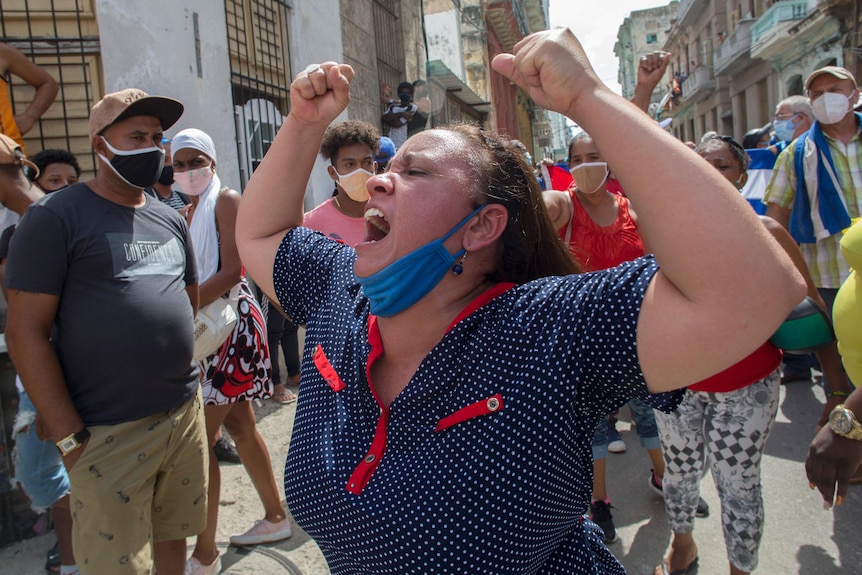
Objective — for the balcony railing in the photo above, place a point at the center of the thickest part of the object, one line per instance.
(735, 47)
(781, 11)
(698, 85)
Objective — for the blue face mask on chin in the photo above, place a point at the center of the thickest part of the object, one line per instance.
(408, 279)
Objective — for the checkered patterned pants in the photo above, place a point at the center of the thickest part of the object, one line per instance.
(729, 430)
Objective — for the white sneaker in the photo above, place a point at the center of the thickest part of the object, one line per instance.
(263, 531)
(195, 567)
(615, 442)
(617, 446)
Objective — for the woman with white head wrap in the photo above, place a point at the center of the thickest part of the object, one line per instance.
(240, 370)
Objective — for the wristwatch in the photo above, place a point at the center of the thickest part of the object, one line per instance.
(843, 422)
(75, 440)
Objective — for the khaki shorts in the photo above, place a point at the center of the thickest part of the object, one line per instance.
(139, 482)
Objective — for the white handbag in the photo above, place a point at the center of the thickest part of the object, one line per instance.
(214, 323)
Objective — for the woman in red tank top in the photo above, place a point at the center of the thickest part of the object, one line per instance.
(599, 226)
(600, 229)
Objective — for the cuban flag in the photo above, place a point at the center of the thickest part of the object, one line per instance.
(760, 164)
(557, 177)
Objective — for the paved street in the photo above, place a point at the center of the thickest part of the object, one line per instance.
(800, 536)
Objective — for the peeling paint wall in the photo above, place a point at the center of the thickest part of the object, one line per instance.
(315, 37)
(444, 39)
(154, 49)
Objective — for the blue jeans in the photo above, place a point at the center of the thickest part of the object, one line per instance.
(38, 465)
(645, 425)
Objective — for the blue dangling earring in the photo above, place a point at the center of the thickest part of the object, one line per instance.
(458, 268)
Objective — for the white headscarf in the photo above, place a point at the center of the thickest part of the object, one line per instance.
(203, 226)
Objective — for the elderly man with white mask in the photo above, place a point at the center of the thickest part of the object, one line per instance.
(816, 186)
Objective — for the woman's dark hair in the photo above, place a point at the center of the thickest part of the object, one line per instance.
(716, 142)
(530, 247)
(345, 134)
(56, 156)
(579, 137)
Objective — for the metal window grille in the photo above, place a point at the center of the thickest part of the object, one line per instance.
(387, 34)
(260, 75)
(60, 36)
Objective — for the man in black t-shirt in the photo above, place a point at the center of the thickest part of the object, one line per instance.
(103, 291)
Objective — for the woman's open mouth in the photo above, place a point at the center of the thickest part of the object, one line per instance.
(376, 226)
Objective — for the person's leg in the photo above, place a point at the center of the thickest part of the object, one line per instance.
(600, 454)
(40, 471)
(63, 527)
(169, 557)
(828, 295)
(681, 434)
(600, 488)
(647, 430)
(797, 367)
(113, 483)
(275, 328)
(180, 501)
(290, 347)
(600, 505)
(242, 425)
(737, 425)
(683, 552)
(205, 550)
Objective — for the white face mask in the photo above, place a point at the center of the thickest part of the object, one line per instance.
(590, 176)
(831, 107)
(354, 184)
(194, 182)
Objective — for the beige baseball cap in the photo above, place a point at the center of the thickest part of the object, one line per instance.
(12, 155)
(837, 71)
(133, 102)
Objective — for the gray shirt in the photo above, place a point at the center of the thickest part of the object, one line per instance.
(124, 329)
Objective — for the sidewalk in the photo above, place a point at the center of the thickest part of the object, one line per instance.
(800, 537)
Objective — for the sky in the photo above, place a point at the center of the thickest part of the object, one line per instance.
(596, 25)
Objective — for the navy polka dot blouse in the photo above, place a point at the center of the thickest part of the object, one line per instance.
(482, 465)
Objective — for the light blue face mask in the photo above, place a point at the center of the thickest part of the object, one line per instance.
(784, 128)
(406, 280)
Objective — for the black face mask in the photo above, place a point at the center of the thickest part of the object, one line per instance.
(138, 168)
(405, 98)
(167, 176)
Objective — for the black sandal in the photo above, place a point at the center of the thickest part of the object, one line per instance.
(52, 559)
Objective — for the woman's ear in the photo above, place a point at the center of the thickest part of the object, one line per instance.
(486, 228)
(740, 183)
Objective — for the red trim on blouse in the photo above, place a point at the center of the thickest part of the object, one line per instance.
(321, 362)
(485, 406)
(365, 470)
(480, 300)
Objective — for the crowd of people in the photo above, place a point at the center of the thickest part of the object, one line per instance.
(460, 364)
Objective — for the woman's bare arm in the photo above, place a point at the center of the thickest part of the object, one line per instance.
(724, 285)
(272, 200)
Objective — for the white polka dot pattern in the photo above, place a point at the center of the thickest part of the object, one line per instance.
(502, 493)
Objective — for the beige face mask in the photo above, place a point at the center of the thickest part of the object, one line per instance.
(354, 184)
(590, 176)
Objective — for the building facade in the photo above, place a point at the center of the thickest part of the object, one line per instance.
(734, 60)
(643, 32)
